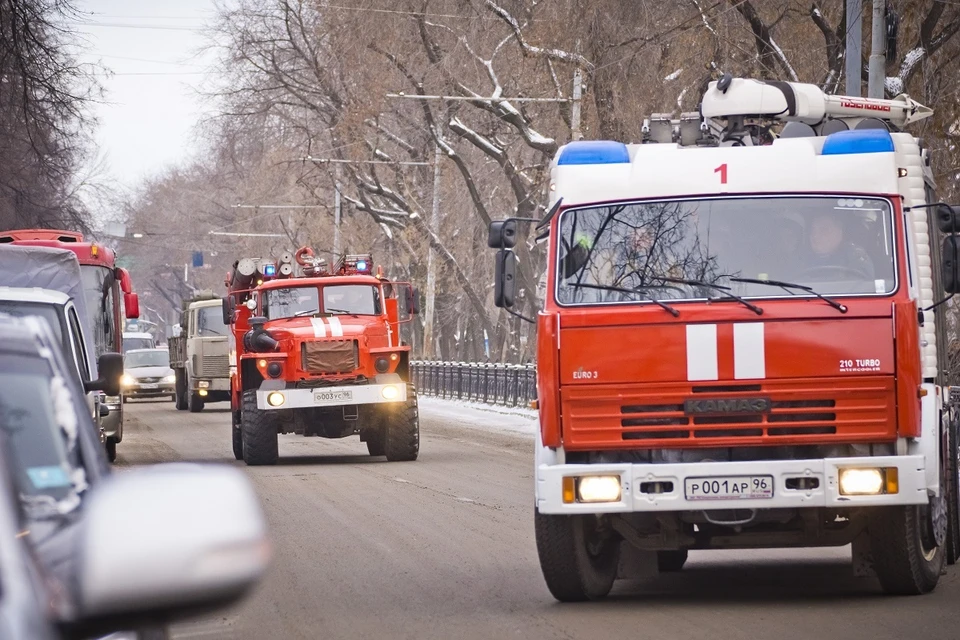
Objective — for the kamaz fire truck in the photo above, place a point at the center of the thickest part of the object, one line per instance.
(109, 299)
(318, 352)
(743, 341)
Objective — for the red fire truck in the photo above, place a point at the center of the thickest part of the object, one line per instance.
(318, 352)
(743, 341)
(105, 285)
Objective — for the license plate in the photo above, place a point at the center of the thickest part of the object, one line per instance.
(149, 386)
(729, 488)
(332, 397)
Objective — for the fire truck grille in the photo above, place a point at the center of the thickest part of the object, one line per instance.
(214, 366)
(781, 412)
(330, 356)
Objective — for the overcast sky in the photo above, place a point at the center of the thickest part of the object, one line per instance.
(151, 105)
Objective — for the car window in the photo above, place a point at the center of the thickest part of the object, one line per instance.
(136, 359)
(130, 344)
(210, 322)
(76, 334)
(39, 420)
(49, 312)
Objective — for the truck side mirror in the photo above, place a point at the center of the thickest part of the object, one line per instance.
(502, 234)
(110, 368)
(505, 285)
(950, 264)
(227, 306)
(948, 220)
(131, 305)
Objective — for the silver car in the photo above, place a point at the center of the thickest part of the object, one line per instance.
(147, 374)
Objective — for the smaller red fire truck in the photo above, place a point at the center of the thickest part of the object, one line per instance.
(317, 351)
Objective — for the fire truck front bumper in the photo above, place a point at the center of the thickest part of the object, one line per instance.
(768, 484)
(273, 399)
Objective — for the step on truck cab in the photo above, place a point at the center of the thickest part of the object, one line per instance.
(200, 353)
(319, 353)
(743, 341)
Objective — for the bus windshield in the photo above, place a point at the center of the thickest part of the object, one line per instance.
(98, 286)
(833, 245)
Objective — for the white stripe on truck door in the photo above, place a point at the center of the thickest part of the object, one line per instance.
(702, 352)
(749, 361)
(319, 329)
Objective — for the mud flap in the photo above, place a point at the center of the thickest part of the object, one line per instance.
(862, 557)
(636, 564)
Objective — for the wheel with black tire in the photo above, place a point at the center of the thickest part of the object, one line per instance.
(401, 441)
(909, 544)
(194, 399)
(952, 448)
(180, 395)
(579, 555)
(671, 561)
(236, 435)
(111, 450)
(258, 429)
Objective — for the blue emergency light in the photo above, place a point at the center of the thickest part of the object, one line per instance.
(594, 152)
(270, 270)
(857, 141)
(361, 265)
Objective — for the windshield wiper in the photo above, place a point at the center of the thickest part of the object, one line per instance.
(604, 287)
(300, 314)
(335, 310)
(718, 287)
(842, 308)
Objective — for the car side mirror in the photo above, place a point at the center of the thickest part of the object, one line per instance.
(505, 285)
(950, 264)
(413, 300)
(110, 368)
(104, 410)
(948, 220)
(502, 234)
(131, 305)
(191, 539)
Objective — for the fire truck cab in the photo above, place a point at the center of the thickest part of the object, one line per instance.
(318, 352)
(743, 342)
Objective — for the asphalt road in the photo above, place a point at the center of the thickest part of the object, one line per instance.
(444, 548)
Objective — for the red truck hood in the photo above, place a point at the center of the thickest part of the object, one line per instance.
(726, 351)
(318, 328)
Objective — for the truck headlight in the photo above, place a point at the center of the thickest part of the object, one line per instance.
(868, 482)
(275, 399)
(599, 489)
(390, 392)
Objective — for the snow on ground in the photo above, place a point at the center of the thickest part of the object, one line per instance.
(475, 415)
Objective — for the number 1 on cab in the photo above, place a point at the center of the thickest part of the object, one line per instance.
(722, 170)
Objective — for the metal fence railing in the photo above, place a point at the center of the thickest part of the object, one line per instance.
(509, 385)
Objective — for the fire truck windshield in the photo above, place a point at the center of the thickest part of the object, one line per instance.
(352, 299)
(349, 299)
(833, 245)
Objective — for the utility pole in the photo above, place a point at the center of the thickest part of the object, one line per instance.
(430, 295)
(575, 107)
(878, 51)
(854, 52)
(336, 213)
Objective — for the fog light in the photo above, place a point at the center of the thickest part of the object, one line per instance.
(382, 365)
(599, 489)
(274, 369)
(202, 393)
(262, 363)
(275, 399)
(861, 482)
(390, 392)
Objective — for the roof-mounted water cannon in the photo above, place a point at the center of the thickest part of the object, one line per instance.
(311, 264)
(736, 104)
